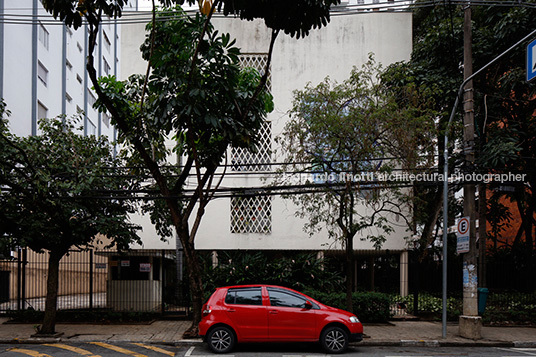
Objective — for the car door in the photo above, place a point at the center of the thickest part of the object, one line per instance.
(290, 317)
(249, 317)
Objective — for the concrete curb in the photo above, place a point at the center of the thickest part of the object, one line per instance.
(525, 344)
(29, 341)
(364, 343)
(446, 343)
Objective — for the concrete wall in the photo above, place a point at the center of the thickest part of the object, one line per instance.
(134, 295)
(73, 279)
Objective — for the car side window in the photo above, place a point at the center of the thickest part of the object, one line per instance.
(284, 299)
(248, 296)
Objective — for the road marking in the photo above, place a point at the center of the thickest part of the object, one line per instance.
(118, 349)
(80, 351)
(191, 349)
(526, 351)
(28, 352)
(156, 349)
(520, 350)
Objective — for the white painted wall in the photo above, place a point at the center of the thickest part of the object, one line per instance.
(331, 51)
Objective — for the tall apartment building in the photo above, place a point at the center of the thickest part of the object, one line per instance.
(42, 67)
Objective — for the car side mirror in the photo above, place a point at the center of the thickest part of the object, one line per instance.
(308, 305)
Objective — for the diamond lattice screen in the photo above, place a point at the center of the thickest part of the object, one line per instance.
(260, 158)
(251, 214)
(257, 61)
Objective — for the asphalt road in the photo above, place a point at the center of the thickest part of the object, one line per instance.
(122, 349)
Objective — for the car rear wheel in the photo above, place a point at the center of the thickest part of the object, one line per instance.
(334, 340)
(221, 339)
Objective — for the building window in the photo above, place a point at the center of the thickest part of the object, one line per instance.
(106, 119)
(79, 46)
(42, 111)
(68, 97)
(91, 129)
(107, 43)
(43, 35)
(258, 62)
(79, 79)
(42, 73)
(106, 66)
(69, 65)
(251, 214)
(91, 99)
(260, 158)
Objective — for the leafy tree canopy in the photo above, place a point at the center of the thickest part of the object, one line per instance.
(504, 101)
(204, 109)
(51, 185)
(357, 129)
(295, 18)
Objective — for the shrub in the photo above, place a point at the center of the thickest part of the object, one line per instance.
(293, 270)
(368, 306)
(430, 305)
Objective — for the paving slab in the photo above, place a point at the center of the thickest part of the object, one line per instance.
(396, 333)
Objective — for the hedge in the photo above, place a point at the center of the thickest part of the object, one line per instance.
(368, 306)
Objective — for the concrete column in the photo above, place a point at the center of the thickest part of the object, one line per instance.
(215, 261)
(404, 269)
(320, 256)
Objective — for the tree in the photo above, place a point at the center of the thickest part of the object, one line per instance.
(504, 102)
(347, 134)
(188, 112)
(52, 185)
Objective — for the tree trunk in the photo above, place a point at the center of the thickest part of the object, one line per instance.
(350, 272)
(195, 282)
(427, 237)
(49, 320)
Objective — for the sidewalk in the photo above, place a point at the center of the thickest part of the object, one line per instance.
(398, 333)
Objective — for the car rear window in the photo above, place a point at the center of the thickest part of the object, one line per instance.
(246, 296)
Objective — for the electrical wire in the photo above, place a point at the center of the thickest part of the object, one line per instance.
(138, 17)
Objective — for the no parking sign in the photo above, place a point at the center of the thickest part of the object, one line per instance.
(463, 235)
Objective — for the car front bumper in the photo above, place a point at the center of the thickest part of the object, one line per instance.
(356, 337)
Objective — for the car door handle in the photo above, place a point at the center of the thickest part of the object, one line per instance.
(231, 310)
(273, 312)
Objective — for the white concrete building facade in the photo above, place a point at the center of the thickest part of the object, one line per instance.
(269, 222)
(42, 67)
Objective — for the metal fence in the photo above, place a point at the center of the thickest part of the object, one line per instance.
(135, 281)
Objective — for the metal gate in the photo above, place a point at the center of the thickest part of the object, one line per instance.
(135, 280)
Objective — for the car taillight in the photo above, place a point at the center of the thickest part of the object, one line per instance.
(206, 311)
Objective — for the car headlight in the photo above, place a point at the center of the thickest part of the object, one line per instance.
(354, 319)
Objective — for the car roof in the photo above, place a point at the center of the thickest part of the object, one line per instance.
(252, 286)
(258, 286)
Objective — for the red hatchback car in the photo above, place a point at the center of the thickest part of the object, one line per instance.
(266, 313)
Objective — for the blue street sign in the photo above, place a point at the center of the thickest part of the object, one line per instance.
(531, 60)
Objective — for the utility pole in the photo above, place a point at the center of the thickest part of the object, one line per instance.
(446, 190)
(470, 324)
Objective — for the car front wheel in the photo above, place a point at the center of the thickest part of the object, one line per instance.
(334, 340)
(221, 339)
